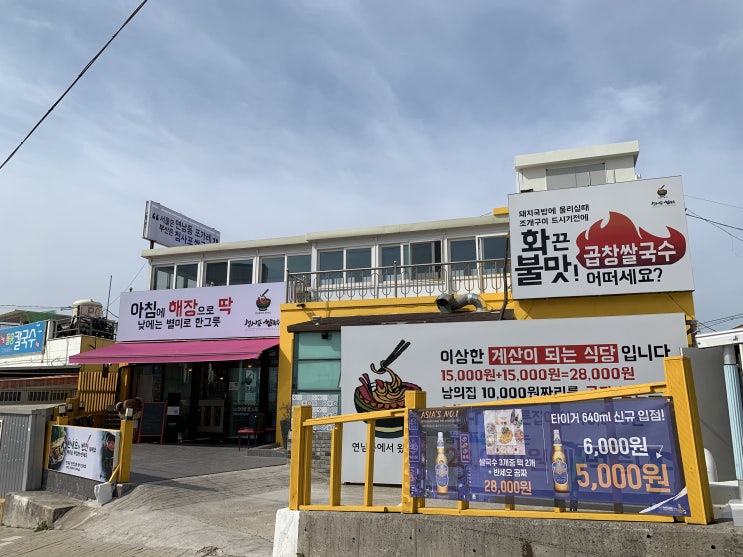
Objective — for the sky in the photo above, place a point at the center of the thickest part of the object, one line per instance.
(276, 118)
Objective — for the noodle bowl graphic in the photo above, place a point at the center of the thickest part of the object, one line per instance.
(376, 395)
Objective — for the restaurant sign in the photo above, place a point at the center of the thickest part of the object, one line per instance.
(83, 451)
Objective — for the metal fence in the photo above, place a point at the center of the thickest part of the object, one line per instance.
(398, 281)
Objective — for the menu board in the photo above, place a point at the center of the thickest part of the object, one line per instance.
(606, 451)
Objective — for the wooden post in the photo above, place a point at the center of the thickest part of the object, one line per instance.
(301, 460)
(336, 454)
(125, 448)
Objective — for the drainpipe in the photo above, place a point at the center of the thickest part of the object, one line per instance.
(732, 387)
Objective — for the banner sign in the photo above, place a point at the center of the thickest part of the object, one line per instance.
(171, 229)
(458, 363)
(622, 238)
(83, 451)
(240, 311)
(620, 451)
(25, 339)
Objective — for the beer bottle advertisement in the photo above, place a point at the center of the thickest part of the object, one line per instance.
(607, 451)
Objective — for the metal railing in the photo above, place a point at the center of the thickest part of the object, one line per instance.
(398, 281)
(678, 385)
(83, 325)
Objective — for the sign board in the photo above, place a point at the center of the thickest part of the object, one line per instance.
(152, 422)
(623, 238)
(85, 452)
(241, 311)
(462, 363)
(616, 451)
(168, 228)
(24, 339)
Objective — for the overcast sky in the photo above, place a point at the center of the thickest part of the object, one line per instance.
(276, 118)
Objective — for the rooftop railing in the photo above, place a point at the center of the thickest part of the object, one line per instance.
(398, 281)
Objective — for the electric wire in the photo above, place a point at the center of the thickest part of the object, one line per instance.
(85, 69)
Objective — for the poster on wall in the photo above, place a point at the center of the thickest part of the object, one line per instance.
(622, 238)
(462, 363)
(240, 311)
(619, 451)
(83, 451)
(24, 339)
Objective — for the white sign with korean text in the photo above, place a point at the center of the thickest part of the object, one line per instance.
(85, 452)
(622, 238)
(240, 311)
(464, 363)
(169, 228)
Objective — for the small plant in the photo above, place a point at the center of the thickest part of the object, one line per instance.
(41, 526)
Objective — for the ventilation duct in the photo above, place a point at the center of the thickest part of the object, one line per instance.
(449, 303)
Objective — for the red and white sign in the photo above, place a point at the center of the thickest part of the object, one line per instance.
(465, 363)
(240, 311)
(623, 238)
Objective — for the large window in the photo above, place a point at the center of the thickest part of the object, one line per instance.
(185, 276)
(494, 247)
(330, 261)
(389, 258)
(272, 269)
(216, 274)
(576, 176)
(421, 254)
(317, 361)
(162, 277)
(466, 251)
(299, 263)
(241, 271)
(358, 258)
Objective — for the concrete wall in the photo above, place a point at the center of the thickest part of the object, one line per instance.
(352, 534)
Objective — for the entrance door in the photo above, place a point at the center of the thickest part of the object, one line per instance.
(212, 393)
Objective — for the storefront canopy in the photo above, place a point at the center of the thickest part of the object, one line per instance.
(178, 351)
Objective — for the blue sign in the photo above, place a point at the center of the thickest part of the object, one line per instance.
(616, 451)
(24, 339)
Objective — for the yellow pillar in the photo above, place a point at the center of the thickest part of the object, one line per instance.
(413, 400)
(125, 447)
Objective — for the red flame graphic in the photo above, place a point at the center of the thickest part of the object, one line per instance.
(619, 243)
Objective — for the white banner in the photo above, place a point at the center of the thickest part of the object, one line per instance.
(622, 238)
(242, 311)
(170, 229)
(85, 452)
(463, 363)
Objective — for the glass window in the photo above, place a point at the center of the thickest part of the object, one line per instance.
(494, 248)
(389, 257)
(185, 276)
(216, 274)
(576, 176)
(241, 271)
(358, 258)
(272, 269)
(330, 261)
(422, 253)
(162, 278)
(318, 364)
(463, 250)
(299, 263)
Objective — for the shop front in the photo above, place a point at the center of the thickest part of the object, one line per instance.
(183, 352)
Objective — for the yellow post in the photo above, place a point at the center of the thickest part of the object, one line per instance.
(301, 459)
(125, 449)
(336, 454)
(369, 473)
(413, 400)
(680, 383)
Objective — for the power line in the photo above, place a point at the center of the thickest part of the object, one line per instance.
(719, 225)
(715, 202)
(85, 69)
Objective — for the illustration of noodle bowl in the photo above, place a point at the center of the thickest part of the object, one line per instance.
(378, 394)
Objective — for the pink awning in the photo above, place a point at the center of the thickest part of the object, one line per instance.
(176, 351)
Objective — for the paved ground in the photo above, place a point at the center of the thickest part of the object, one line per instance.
(185, 500)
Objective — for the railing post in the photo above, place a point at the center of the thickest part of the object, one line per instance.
(413, 400)
(394, 268)
(336, 456)
(680, 383)
(301, 459)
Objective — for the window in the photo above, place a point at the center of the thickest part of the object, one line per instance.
(421, 253)
(299, 263)
(185, 275)
(162, 278)
(241, 271)
(463, 250)
(390, 256)
(576, 176)
(272, 269)
(318, 361)
(494, 248)
(358, 258)
(216, 274)
(330, 261)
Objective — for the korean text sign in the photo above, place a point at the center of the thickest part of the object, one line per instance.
(25, 339)
(83, 451)
(608, 451)
(623, 238)
(460, 363)
(171, 229)
(241, 311)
